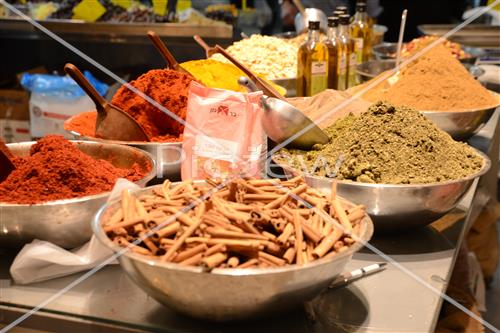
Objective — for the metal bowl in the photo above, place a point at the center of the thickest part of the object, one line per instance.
(301, 22)
(395, 207)
(461, 125)
(65, 223)
(228, 294)
(167, 155)
(388, 51)
(368, 70)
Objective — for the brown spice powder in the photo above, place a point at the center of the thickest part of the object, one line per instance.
(435, 82)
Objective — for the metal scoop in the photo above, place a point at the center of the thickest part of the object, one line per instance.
(282, 120)
(165, 52)
(6, 165)
(112, 123)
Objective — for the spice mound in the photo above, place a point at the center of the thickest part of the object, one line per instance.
(387, 145)
(436, 81)
(167, 87)
(247, 223)
(270, 56)
(56, 169)
(216, 74)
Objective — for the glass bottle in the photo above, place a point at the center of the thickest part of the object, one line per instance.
(361, 33)
(312, 67)
(333, 52)
(345, 49)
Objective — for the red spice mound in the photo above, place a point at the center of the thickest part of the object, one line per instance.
(170, 89)
(84, 124)
(56, 169)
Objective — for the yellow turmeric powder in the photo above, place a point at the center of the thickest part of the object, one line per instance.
(216, 74)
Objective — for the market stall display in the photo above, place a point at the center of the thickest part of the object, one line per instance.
(59, 185)
(391, 152)
(236, 221)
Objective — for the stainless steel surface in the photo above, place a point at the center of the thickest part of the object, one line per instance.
(311, 14)
(368, 70)
(388, 51)
(401, 206)
(290, 84)
(167, 155)
(228, 294)
(65, 223)
(385, 51)
(461, 125)
(478, 35)
(120, 29)
(282, 120)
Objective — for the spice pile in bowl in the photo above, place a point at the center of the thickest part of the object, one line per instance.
(386, 145)
(167, 87)
(56, 169)
(436, 81)
(247, 223)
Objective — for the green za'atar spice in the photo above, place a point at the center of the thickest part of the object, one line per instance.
(388, 145)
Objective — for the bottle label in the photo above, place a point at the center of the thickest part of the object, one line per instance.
(353, 61)
(318, 68)
(318, 76)
(358, 49)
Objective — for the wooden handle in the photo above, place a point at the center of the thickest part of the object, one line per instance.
(262, 84)
(299, 6)
(79, 78)
(202, 43)
(164, 51)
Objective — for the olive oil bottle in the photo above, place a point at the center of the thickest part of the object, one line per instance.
(333, 52)
(312, 68)
(345, 50)
(361, 33)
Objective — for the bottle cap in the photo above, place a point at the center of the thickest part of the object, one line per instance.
(337, 13)
(361, 7)
(342, 9)
(313, 25)
(344, 19)
(333, 21)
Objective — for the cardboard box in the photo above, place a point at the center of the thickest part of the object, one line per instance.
(14, 116)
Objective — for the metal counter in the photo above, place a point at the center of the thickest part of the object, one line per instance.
(389, 301)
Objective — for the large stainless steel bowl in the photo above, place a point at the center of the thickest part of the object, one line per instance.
(65, 223)
(461, 125)
(396, 207)
(228, 294)
(167, 155)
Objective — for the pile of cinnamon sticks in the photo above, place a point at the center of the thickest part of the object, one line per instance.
(245, 223)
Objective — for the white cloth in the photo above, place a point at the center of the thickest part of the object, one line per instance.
(41, 260)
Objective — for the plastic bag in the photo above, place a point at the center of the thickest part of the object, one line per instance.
(56, 98)
(223, 135)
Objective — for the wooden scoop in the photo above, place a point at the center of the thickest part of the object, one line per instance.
(112, 123)
(209, 51)
(165, 52)
(266, 88)
(6, 165)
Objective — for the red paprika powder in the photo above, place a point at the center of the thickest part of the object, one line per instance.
(56, 169)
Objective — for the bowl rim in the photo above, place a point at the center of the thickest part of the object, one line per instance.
(151, 174)
(127, 143)
(98, 231)
(486, 166)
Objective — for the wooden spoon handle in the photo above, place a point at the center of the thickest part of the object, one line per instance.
(164, 51)
(79, 78)
(266, 88)
(209, 51)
